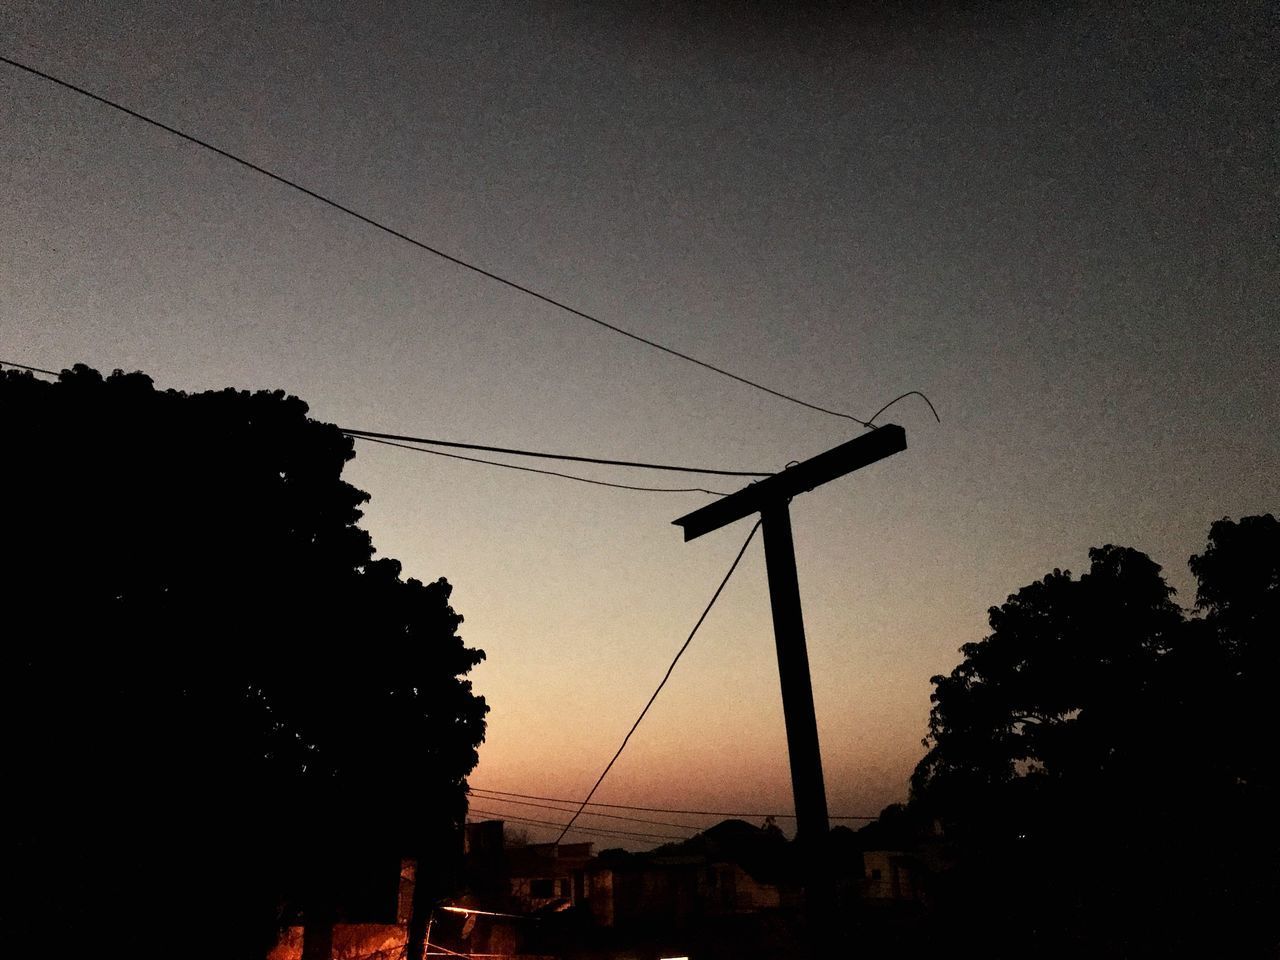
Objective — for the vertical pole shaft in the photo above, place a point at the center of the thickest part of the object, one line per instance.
(802, 724)
(793, 669)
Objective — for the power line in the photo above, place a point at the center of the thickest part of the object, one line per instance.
(482, 795)
(617, 834)
(397, 440)
(679, 653)
(630, 806)
(23, 366)
(909, 393)
(404, 442)
(435, 251)
(548, 473)
(394, 440)
(638, 464)
(556, 823)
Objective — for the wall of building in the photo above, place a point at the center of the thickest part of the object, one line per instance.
(351, 941)
(890, 875)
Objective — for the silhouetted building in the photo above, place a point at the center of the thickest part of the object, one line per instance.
(674, 889)
(372, 908)
(892, 875)
(522, 878)
(731, 869)
(548, 876)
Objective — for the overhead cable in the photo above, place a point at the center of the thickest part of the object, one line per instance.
(557, 823)
(482, 795)
(638, 464)
(405, 442)
(435, 251)
(909, 393)
(667, 676)
(397, 440)
(632, 806)
(548, 473)
(23, 366)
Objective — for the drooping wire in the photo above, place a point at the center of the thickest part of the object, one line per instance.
(481, 794)
(667, 676)
(577, 828)
(396, 440)
(909, 393)
(400, 440)
(631, 806)
(549, 473)
(369, 434)
(557, 823)
(435, 251)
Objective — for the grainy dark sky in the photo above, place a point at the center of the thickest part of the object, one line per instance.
(1059, 220)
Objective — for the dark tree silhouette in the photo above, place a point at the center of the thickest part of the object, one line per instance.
(1044, 694)
(1104, 765)
(214, 692)
(1239, 592)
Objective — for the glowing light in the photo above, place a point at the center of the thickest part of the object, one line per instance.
(467, 911)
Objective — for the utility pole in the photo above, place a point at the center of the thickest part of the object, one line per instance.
(771, 498)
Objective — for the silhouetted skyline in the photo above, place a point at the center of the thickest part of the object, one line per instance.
(1059, 222)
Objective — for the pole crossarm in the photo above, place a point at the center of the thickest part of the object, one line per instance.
(859, 452)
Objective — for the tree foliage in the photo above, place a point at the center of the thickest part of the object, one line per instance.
(213, 684)
(1044, 693)
(1113, 757)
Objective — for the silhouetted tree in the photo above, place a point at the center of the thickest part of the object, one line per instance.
(1079, 751)
(1044, 695)
(1238, 593)
(213, 689)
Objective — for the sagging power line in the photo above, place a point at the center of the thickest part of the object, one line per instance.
(641, 835)
(642, 809)
(546, 473)
(421, 245)
(407, 443)
(575, 458)
(909, 393)
(482, 795)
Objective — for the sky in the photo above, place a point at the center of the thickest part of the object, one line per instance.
(1057, 220)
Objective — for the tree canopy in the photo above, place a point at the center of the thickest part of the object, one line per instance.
(1114, 757)
(1044, 694)
(209, 673)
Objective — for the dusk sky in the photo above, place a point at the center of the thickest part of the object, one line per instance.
(1059, 221)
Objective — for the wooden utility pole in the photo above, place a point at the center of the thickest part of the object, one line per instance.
(807, 785)
(770, 498)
